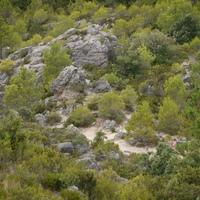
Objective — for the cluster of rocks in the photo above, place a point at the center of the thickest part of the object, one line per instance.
(89, 45)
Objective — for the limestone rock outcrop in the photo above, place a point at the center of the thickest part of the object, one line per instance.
(68, 77)
(89, 45)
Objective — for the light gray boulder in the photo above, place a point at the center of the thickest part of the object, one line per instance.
(114, 155)
(89, 45)
(83, 148)
(120, 135)
(4, 78)
(101, 86)
(108, 124)
(41, 119)
(65, 147)
(68, 77)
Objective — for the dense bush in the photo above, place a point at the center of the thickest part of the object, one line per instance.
(53, 118)
(92, 102)
(80, 116)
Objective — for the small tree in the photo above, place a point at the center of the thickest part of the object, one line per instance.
(23, 90)
(141, 124)
(130, 97)
(55, 59)
(92, 102)
(176, 89)
(111, 106)
(169, 117)
(80, 116)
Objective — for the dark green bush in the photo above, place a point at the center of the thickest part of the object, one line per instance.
(26, 113)
(54, 181)
(53, 118)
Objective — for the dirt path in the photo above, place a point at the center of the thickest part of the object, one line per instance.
(90, 133)
(123, 145)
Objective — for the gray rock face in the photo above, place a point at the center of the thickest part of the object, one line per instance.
(30, 57)
(89, 160)
(102, 85)
(83, 148)
(65, 147)
(114, 155)
(41, 119)
(108, 124)
(1, 99)
(4, 78)
(89, 45)
(121, 134)
(68, 77)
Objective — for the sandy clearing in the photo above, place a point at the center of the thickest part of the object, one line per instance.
(126, 148)
(90, 133)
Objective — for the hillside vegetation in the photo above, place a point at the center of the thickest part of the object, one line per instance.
(149, 69)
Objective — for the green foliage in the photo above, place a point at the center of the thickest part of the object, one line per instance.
(185, 29)
(55, 59)
(169, 117)
(62, 24)
(143, 49)
(111, 106)
(99, 139)
(92, 102)
(111, 78)
(54, 181)
(101, 15)
(120, 28)
(73, 195)
(11, 132)
(175, 89)
(129, 97)
(89, 8)
(140, 125)
(53, 118)
(26, 114)
(173, 12)
(6, 66)
(23, 91)
(139, 186)
(80, 116)
(160, 161)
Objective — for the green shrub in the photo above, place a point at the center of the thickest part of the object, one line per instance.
(79, 87)
(99, 139)
(53, 118)
(79, 139)
(54, 181)
(92, 102)
(111, 106)
(129, 97)
(69, 102)
(26, 61)
(6, 66)
(26, 113)
(111, 78)
(80, 98)
(80, 116)
(47, 39)
(71, 195)
(23, 53)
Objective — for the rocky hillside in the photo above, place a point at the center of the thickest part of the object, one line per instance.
(87, 46)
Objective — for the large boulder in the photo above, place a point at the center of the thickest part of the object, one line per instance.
(89, 45)
(68, 77)
(101, 86)
(108, 124)
(65, 147)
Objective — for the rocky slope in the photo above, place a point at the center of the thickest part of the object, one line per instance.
(90, 45)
